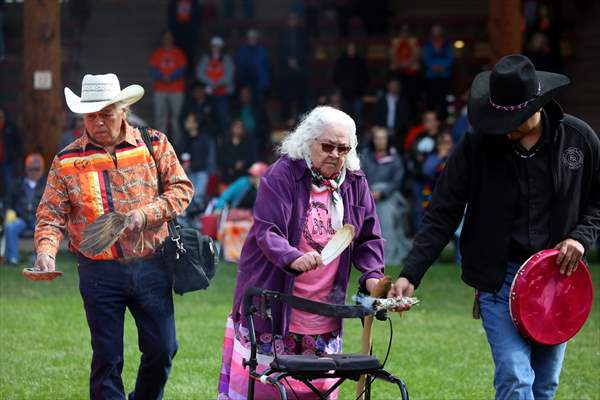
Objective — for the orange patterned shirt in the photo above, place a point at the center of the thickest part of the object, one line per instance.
(85, 181)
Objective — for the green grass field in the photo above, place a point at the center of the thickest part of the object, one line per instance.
(438, 350)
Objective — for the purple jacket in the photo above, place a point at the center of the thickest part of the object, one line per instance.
(279, 215)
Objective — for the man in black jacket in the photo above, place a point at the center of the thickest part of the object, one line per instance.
(529, 179)
(393, 111)
(23, 200)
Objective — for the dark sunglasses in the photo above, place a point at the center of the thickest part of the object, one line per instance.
(328, 148)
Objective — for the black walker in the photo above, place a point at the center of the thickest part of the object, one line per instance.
(305, 368)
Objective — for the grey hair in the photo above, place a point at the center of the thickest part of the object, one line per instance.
(297, 144)
(121, 106)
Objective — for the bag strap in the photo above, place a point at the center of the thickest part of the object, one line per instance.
(173, 233)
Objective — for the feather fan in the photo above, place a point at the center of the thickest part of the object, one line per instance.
(103, 233)
(338, 243)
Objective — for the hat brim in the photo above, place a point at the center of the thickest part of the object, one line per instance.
(127, 96)
(488, 120)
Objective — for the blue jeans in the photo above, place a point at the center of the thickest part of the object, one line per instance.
(524, 370)
(11, 234)
(107, 289)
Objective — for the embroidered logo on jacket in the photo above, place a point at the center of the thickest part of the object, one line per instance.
(572, 158)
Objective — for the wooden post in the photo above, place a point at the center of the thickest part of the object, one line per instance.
(505, 28)
(43, 106)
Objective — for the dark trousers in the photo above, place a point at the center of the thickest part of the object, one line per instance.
(107, 289)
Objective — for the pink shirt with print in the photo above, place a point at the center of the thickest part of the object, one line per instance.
(316, 284)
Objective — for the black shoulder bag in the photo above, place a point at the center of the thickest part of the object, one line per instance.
(190, 256)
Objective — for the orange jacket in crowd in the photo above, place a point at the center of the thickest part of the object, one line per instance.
(167, 67)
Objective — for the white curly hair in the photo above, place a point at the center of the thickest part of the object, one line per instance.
(297, 143)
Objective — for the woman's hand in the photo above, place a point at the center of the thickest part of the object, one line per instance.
(307, 262)
(371, 284)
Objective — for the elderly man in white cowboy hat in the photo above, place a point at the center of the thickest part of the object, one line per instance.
(529, 177)
(109, 168)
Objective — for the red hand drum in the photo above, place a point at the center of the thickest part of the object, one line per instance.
(546, 306)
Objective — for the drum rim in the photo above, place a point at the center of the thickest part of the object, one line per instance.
(513, 300)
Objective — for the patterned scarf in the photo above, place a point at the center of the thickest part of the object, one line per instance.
(319, 180)
(333, 184)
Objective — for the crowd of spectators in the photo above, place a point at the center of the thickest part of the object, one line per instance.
(214, 100)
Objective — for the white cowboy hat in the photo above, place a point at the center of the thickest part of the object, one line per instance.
(99, 91)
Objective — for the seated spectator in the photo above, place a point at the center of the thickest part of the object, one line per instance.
(189, 217)
(23, 201)
(202, 150)
(461, 123)
(236, 154)
(197, 104)
(255, 119)
(393, 111)
(167, 66)
(432, 168)
(434, 164)
(438, 58)
(253, 67)
(238, 199)
(383, 167)
(216, 72)
(429, 123)
(242, 193)
(421, 143)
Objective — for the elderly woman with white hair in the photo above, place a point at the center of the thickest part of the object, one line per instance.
(314, 188)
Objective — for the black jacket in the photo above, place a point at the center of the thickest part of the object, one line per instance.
(401, 118)
(26, 206)
(481, 176)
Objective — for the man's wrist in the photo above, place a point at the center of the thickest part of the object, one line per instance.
(409, 278)
(45, 246)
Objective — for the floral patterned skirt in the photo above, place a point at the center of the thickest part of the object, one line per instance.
(233, 380)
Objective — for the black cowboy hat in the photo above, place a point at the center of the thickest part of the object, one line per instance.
(502, 99)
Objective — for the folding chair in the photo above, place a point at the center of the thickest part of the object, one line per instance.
(306, 368)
